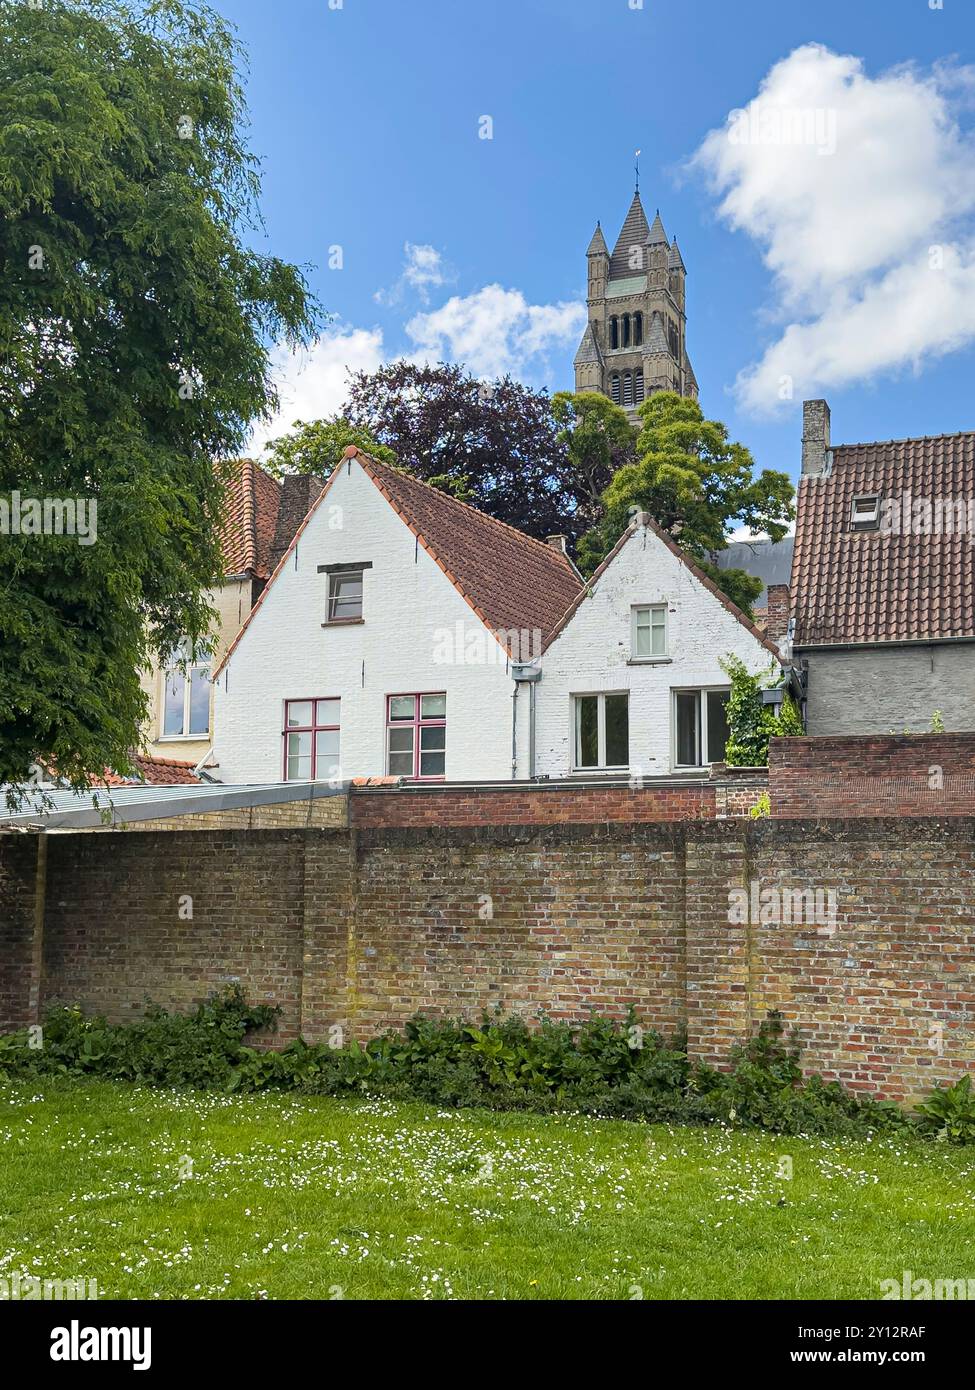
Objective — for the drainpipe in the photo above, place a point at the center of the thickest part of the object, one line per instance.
(527, 673)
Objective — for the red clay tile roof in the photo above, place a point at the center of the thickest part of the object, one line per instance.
(251, 515)
(158, 772)
(645, 519)
(510, 580)
(871, 586)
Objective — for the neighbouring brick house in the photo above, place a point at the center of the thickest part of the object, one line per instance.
(883, 581)
(261, 518)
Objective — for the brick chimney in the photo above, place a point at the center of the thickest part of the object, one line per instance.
(558, 543)
(815, 438)
(299, 493)
(779, 612)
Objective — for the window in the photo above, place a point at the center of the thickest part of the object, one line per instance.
(416, 736)
(602, 731)
(614, 332)
(627, 388)
(865, 513)
(700, 726)
(649, 636)
(638, 386)
(345, 591)
(614, 387)
(626, 330)
(637, 329)
(186, 703)
(311, 740)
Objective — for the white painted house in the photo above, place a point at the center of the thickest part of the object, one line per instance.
(383, 641)
(631, 677)
(406, 634)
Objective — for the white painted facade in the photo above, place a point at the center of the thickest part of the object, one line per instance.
(594, 654)
(412, 614)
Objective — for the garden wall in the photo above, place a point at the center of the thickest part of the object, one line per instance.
(689, 922)
(873, 775)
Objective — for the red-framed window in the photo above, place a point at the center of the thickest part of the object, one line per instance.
(416, 736)
(311, 740)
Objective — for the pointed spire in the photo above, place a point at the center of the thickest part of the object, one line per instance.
(597, 247)
(657, 236)
(588, 350)
(656, 341)
(675, 261)
(632, 234)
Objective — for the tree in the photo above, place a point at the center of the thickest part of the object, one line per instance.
(695, 483)
(318, 446)
(495, 445)
(599, 440)
(134, 331)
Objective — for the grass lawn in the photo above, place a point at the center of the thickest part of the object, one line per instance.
(162, 1194)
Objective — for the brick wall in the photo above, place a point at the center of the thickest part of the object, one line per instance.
(875, 775)
(364, 928)
(528, 805)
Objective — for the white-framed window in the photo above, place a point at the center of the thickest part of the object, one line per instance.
(311, 740)
(345, 596)
(649, 631)
(416, 736)
(865, 512)
(186, 694)
(601, 731)
(700, 722)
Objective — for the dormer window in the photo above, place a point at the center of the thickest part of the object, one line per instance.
(865, 512)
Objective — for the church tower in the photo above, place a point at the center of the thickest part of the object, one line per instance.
(634, 341)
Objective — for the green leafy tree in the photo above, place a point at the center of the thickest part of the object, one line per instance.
(134, 333)
(751, 723)
(317, 447)
(696, 484)
(598, 439)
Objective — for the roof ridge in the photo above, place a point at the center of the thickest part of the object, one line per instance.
(483, 516)
(906, 439)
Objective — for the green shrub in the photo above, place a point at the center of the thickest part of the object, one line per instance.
(601, 1067)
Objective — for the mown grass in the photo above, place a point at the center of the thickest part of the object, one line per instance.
(164, 1194)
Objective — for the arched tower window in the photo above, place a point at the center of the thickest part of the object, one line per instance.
(614, 385)
(626, 330)
(627, 389)
(637, 329)
(637, 387)
(614, 332)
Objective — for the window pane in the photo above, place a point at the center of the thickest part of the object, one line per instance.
(299, 714)
(433, 736)
(643, 637)
(326, 751)
(345, 595)
(299, 757)
(717, 724)
(617, 731)
(327, 711)
(401, 741)
(433, 706)
(687, 706)
(200, 700)
(432, 764)
(401, 764)
(587, 731)
(175, 692)
(402, 706)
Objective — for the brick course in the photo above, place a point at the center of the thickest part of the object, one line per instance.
(873, 775)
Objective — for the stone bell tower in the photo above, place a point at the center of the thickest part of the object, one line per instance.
(634, 342)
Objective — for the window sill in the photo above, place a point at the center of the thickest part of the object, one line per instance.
(183, 738)
(344, 622)
(650, 661)
(599, 771)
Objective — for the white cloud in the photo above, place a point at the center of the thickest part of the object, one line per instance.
(495, 331)
(424, 269)
(860, 191)
(314, 383)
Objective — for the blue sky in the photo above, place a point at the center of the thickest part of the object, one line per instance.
(367, 120)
